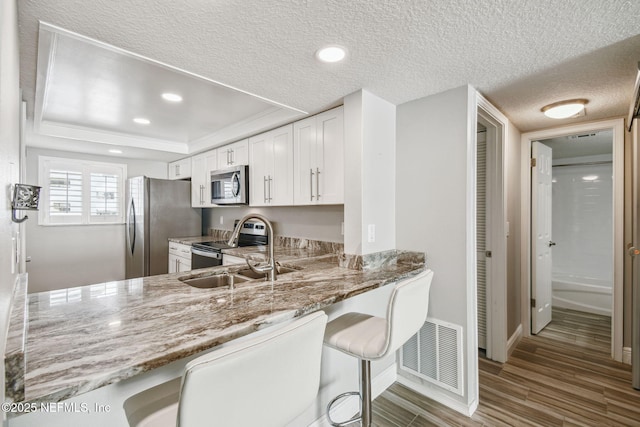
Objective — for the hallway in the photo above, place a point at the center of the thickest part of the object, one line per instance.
(562, 377)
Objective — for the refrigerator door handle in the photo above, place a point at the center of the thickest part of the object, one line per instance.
(131, 227)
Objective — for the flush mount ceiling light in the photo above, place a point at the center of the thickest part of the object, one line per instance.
(171, 97)
(564, 109)
(142, 121)
(331, 53)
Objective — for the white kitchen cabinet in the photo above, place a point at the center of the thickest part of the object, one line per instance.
(201, 167)
(180, 169)
(230, 259)
(318, 146)
(235, 154)
(179, 257)
(271, 171)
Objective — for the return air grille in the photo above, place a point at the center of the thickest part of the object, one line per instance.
(435, 354)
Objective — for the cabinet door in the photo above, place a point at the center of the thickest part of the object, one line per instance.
(281, 175)
(183, 264)
(304, 162)
(180, 169)
(173, 263)
(260, 157)
(329, 156)
(198, 173)
(235, 154)
(211, 164)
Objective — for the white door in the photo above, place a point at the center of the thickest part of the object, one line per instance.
(541, 237)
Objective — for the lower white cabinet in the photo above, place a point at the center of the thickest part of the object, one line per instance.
(179, 257)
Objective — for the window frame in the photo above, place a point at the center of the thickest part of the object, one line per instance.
(86, 168)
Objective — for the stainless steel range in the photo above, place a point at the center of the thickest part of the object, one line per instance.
(209, 254)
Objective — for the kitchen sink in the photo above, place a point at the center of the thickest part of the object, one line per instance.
(247, 272)
(214, 281)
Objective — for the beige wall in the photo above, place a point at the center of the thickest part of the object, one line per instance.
(64, 256)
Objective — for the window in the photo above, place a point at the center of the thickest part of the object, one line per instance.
(81, 191)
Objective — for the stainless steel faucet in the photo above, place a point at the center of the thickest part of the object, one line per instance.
(270, 268)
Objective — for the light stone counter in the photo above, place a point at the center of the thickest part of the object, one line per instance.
(80, 339)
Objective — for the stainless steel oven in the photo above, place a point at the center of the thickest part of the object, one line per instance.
(209, 254)
(230, 186)
(204, 256)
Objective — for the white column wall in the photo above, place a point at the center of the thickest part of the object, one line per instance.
(370, 144)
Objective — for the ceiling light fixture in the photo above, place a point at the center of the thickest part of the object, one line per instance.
(331, 53)
(564, 109)
(114, 151)
(590, 177)
(142, 121)
(171, 97)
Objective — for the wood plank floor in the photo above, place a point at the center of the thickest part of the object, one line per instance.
(562, 377)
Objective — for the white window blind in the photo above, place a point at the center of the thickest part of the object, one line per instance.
(81, 191)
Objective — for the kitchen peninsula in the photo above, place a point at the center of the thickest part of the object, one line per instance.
(81, 339)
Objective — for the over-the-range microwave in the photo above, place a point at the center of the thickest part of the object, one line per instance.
(230, 186)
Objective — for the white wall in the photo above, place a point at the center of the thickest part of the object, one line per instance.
(9, 161)
(307, 222)
(435, 208)
(64, 256)
(369, 193)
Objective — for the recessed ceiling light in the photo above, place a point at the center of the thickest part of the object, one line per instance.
(564, 109)
(114, 151)
(142, 121)
(331, 53)
(171, 97)
(590, 177)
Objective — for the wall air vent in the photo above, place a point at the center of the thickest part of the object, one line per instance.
(435, 354)
(634, 109)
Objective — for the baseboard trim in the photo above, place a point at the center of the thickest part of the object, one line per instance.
(351, 405)
(626, 355)
(439, 397)
(513, 340)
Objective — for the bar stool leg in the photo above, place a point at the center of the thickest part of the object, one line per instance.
(365, 390)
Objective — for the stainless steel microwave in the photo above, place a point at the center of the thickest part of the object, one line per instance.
(230, 186)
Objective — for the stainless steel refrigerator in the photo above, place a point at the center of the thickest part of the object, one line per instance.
(156, 210)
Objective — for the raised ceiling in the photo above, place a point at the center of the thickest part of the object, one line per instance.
(521, 55)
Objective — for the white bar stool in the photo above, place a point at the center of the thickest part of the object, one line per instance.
(369, 338)
(266, 381)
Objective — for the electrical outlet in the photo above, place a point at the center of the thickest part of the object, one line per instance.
(371, 233)
(342, 228)
(221, 220)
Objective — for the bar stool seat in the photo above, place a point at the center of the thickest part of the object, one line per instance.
(265, 381)
(370, 338)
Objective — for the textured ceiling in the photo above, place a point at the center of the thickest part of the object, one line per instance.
(520, 54)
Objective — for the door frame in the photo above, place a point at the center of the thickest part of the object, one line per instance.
(496, 291)
(617, 125)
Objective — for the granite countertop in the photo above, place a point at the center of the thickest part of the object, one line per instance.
(83, 338)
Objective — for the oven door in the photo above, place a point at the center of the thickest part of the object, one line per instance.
(205, 259)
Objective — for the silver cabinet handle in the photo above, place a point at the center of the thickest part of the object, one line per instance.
(228, 158)
(264, 188)
(318, 184)
(201, 194)
(270, 185)
(311, 183)
(177, 170)
(231, 157)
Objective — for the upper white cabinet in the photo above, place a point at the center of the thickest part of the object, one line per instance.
(180, 169)
(201, 167)
(233, 154)
(271, 170)
(319, 159)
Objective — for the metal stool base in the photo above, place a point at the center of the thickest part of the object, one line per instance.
(364, 415)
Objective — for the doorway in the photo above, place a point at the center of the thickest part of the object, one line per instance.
(575, 174)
